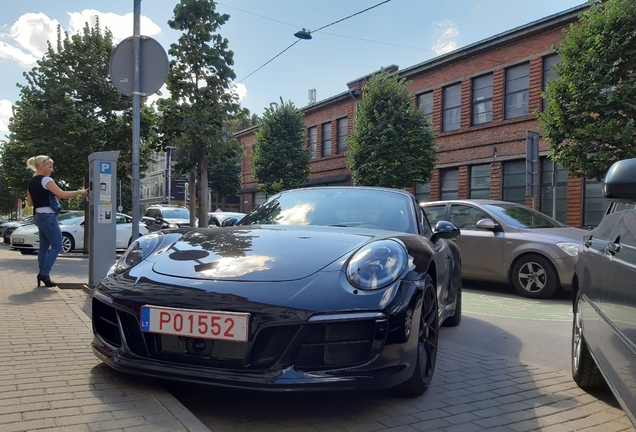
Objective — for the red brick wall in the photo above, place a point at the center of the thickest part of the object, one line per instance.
(469, 144)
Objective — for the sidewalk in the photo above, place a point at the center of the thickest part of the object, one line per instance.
(50, 379)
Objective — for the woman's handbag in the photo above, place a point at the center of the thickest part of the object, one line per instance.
(54, 203)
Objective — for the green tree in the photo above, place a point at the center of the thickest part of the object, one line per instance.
(202, 96)
(224, 178)
(590, 118)
(392, 144)
(68, 109)
(280, 160)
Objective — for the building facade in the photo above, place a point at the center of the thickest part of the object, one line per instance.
(481, 101)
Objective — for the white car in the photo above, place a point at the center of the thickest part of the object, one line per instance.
(26, 238)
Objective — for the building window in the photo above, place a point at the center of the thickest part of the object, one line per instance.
(517, 85)
(259, 198)
(425, 102)
(594, 205)
(343, 126)
(548, 72)
(547, 190)
(514, 181)
(313, 140)
(452, 107)
(423, 192)
(482, 99)
(450, 184)
(326, 139)
(480, 181)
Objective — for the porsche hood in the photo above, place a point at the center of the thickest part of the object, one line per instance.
(257, 254)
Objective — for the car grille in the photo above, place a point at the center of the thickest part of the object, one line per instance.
(308, 346)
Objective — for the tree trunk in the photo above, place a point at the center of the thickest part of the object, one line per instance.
(203, 187)
(192, 193)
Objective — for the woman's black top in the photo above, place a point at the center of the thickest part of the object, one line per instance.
(39, 194)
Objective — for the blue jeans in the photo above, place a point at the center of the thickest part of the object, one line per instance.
(50, 238)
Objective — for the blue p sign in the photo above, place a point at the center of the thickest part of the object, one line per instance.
(105, 167)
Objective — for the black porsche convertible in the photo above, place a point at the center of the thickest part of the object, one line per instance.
(316, 289)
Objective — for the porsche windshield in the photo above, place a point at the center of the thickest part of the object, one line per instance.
(520, 216)
(333, 206)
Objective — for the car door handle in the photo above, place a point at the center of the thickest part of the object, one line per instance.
(588, 242)
(613, 248)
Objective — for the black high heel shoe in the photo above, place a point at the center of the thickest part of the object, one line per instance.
(46, 280)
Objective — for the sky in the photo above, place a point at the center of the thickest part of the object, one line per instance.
(260, 32)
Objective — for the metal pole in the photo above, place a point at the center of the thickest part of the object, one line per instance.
(135, 118)
(554, 189)
(169, 173)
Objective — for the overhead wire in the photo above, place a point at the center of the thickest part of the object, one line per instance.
(295, 42)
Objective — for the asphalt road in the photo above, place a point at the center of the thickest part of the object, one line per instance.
(505, 367)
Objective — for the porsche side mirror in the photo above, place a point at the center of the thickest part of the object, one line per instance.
(229, 222)
(445, 230)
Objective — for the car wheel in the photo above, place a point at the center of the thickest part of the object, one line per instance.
(428, 331)
(534, 276)
(584, 369)
(68, 244)
(456, 317)
(27, 251)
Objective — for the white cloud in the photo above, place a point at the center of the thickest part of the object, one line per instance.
(16, 54)
(240, 90)
(5, 114)
(121, 26)
(26, 41)
(447, 33)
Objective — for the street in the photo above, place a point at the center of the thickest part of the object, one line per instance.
(505, 367)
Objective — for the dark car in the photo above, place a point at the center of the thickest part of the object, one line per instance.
(217, 218)
(604, 295)
(318, 288)
(511, 243)
(165, 216)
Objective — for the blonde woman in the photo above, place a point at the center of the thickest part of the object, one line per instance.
(42, 195)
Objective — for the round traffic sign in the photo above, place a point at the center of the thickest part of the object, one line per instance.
(153, 66)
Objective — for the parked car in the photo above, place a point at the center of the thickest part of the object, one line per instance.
(162, 216)
(27, 240)
(217, 218)
(511, 243)
(318, 288)
(604, 295)
(7, 228)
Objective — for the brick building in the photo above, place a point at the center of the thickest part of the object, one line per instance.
(481, 101)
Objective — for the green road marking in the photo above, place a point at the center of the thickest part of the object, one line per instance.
(506, 305)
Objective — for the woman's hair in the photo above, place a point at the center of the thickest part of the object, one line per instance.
(37, 161)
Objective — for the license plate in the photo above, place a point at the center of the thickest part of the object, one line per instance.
(18, 240)
(195, 323)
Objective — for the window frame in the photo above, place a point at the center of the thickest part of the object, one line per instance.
(484, 100)
(326, 139)
(342, 144)
(451, 112)
(517, 86)
(426, 107)
(474, 188)
(312, 134)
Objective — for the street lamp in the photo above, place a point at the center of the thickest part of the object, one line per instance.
(303, 34)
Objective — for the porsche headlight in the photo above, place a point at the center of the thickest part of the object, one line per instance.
(139, 250)
(569, 248)
(377, 265)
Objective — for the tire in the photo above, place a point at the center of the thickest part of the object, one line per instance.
(456, 318)
(68, 243)
(534, 276)
(585, 372)
(427, 338)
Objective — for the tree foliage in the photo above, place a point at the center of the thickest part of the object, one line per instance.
(280, 160)
(202, 96)
(590, 118)
(224, 177)
(392, 144)
(68, 109)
